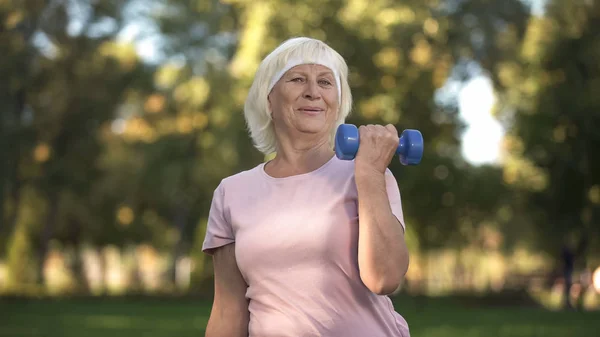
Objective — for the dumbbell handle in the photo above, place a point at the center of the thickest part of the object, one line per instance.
(410, 145)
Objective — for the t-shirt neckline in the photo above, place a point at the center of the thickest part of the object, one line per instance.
(296, 176)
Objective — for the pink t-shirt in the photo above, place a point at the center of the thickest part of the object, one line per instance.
(296, 245)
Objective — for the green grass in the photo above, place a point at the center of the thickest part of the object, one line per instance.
(448, 317)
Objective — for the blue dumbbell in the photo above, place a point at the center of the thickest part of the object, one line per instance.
(410, 147)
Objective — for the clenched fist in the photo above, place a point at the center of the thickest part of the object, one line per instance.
(378, 145)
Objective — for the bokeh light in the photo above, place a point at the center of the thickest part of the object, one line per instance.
(596, 280)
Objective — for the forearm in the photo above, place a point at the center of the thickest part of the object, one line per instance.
(229, 316)
(227, 323)
(382, 252)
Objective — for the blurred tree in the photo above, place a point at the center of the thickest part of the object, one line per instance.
(484, 36)
(15, 31)
(67, 77)
(550, 95)
(124, 149)
(188, 133)
(400, 55)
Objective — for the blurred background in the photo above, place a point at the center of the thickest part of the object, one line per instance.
(118, 118)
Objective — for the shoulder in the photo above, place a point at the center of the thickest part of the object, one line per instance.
(240, 179)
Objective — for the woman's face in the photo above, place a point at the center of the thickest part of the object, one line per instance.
(305, 101)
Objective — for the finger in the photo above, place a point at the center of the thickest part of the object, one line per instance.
(392, 129)
(384, 132)
(370, 128)
(363, 131)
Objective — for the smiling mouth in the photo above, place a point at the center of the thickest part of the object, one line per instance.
(311, 111)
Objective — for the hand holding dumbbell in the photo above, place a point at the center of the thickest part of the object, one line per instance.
(410, 147)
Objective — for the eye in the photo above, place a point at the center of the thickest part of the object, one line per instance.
(325, 82)
(297, 79)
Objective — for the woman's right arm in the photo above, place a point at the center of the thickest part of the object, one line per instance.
(229, 316)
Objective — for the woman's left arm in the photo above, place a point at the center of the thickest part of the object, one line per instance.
(382, 253)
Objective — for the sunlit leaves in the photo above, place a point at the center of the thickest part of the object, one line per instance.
(509, 73)
(256, 18)
(539, 35)
(389, 59)
(192, 93)
(137, 129)
(155, 103)
(421, 53)
(13, 19)
(431, 27)
(376, 19)
(125, 54)
(513, 145)
(20, 258)
(442, 70)
(42, 152)
(523, 174)
(354, 10)
(380, 106)
(594, 194)
(140, 129)
(125, 215)
(199, 120)
(166, 76)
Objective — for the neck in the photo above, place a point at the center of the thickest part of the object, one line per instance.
(299, 156)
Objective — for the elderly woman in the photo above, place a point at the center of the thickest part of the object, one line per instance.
(307, 244)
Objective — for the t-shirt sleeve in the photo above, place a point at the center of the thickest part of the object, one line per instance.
(218, 229)
(394, 196)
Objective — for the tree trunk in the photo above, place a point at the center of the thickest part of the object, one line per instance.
(9, 168)
(10, 124)
(48, 231)
(180, 221)
(83, 285)
(100, 254)
(3, 163)
(77, 266)
(11, 218)
(3, 231)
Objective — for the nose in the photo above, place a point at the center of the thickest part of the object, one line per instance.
(312, 90)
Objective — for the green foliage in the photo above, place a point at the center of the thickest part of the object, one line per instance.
(20, 260)
(399, 56)
(552, 102)
(127, 150)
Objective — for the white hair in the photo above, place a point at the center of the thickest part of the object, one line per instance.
(295, 51)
